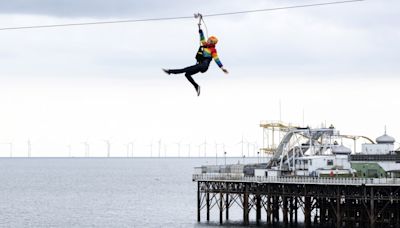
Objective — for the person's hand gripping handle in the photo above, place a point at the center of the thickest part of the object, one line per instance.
(198, 15)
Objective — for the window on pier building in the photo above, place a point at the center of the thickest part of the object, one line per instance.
(329, 162)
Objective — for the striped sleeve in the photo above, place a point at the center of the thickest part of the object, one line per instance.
(216, 58)
(202, 38)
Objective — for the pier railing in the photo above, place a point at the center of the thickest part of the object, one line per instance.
(298, 180)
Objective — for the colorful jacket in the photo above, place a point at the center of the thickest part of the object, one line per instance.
(209, 51)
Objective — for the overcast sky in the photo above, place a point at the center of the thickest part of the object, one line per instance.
(61, 86)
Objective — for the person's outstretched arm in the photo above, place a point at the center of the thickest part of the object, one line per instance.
(214, 54)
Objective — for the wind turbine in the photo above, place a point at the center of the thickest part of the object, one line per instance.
(108, 144)
(87, 148)
(248, 148)
(189, 148)
(216, 153)
(242, 142)
(11, 149)
(69, 150)
(29, 148)
(132, 143)
(205, 147)
(128, 145)
(151, 148)
(179, 148)
(159, 148)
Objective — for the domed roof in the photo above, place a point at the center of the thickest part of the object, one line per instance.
(385, 139)
(340, 149)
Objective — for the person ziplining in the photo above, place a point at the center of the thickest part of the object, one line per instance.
(204, 56)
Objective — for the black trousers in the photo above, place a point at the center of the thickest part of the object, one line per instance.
(191, 70)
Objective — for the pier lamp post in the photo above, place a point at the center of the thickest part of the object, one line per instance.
(216, 153)
(258, 157)
(225, 157)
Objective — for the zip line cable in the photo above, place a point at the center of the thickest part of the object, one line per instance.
(176, 18)
(281, 8)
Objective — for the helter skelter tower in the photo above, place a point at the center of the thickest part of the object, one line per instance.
(273, 132)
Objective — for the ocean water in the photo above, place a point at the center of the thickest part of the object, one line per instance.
(100, 192)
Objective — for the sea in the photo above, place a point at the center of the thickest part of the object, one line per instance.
(105, 192)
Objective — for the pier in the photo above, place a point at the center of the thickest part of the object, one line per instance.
(322, 201)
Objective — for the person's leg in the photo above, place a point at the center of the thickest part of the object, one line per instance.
(191, 80)
(190, 70)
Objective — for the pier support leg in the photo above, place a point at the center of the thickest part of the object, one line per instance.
(198, 202)
(397, 214)
(227, 206)
(221, 207)
(208, 205)
(296, 207)
(338, 212)
(275, 205)
(317, 212)
(322, 212)
(246, 207)
(307, 211)
(269, 210)
(372, 209)
(285, 211)
(258, 209)
(291, 210)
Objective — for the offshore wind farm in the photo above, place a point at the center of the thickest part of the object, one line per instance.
(131, 149)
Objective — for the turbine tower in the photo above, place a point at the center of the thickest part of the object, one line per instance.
(216, 153)
(248, 148)
(205, 147)
(69, 150)
(132, 143)
(11, 149)
(242, 142)
(87, 148)
(151, 148)
(29, 148)
(108, 144)
(128, 145)
(179, 148)
(159, 148)
(189, 148)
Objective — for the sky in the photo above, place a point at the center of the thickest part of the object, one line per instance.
(61, 87)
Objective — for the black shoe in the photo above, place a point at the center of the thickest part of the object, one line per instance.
(166, 71)
(198, 90)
